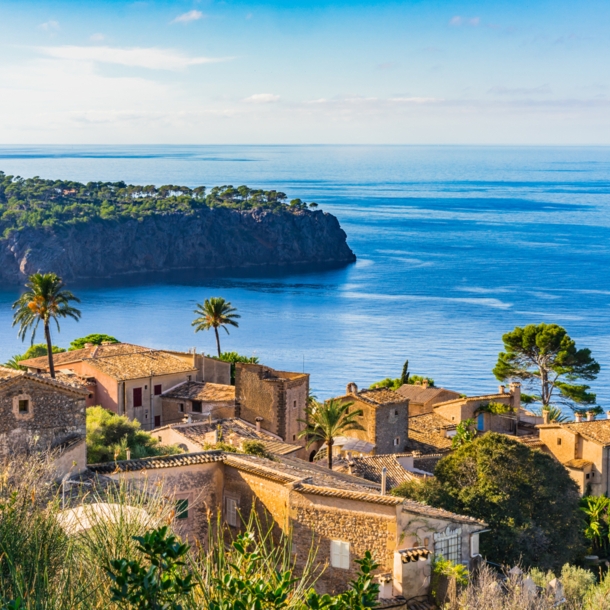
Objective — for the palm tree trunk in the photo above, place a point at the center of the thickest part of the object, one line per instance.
(329, 443)
(47, 334)
(217, 341)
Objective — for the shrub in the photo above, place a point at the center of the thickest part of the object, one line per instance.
(95, 339)
(256, 448)
(110, 435)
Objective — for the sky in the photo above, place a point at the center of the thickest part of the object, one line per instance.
(305, 72)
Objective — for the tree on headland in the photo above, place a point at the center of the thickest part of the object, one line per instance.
(45, 299)
(526, 497)
(544, 357)
(94, 339)
(215, 313)
(325, 421)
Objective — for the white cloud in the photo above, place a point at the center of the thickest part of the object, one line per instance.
(262, 98)
(97, 37)
(188, 17)
(416, 100)
(151, 58)
(541, 90)
(458, 20)
(49, 26)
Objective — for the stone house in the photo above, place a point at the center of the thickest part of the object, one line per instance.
(45, 413)
(129, 379)
(194, 437)
(197, 399)
(583, 447)
(433, 432)
(422, 398)
(385, 418)
(343, 516)
(278, 397)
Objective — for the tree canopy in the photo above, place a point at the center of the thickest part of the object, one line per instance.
(39, 203)
(528, 500)
(95, 339)
(545, 358)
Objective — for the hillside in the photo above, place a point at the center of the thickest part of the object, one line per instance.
(106, 229)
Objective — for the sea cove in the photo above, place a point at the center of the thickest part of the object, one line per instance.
(455, 246)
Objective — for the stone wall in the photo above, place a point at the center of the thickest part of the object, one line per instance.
(255, 398)
(391, 423)
(54, 415)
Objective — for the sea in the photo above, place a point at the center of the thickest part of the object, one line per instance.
(455, 246)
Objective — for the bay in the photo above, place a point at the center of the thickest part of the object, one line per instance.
(455, 246)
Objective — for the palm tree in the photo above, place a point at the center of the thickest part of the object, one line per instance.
(44, 300)
(326, 421)
(555, 414)
(215, 313)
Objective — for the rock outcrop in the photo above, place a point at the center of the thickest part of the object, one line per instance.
(208, 239)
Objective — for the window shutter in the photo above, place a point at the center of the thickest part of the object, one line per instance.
(231, 509)
(339, 554)
(137, 397)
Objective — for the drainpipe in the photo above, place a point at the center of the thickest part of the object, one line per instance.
(384, 474)
(150, 401)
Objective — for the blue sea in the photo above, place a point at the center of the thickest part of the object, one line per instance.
(455, 246)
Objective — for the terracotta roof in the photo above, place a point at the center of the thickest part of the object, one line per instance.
(153, 463)
(420, 394)
(426, 433)
(77, 355)
(369, 468)
(202, 390)
(392, 602)
(139, 365)
(427, 463)
(468, 399)
(531, 440)
(348, 494)
(411, 506)
(414, 554)
(578, 464)
(8, 375)
(375, 397)
(421, 603)
(234, 429)
(597, 431)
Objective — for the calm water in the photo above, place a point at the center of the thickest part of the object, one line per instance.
(455, 246)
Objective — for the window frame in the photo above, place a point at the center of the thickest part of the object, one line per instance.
(182, 515)
(231, 506)
(158, 389)
(340, 554)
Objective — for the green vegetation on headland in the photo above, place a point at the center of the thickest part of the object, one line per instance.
(37, 203)
(405, 378)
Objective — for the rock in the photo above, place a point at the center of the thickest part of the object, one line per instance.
(210, 238)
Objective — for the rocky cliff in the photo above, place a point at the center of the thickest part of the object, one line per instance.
(210, 238)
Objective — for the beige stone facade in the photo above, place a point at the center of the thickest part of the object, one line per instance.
(341, 515)
(40, 412)
(278, 397)
(422, 398)
(584, 449)
(385, 416)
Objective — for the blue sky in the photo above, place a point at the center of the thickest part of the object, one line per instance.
(202, 72)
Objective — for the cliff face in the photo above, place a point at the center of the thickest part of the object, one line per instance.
(210, 239)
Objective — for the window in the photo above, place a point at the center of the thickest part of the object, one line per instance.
(295, 404)
(396, 412)
(158, 389)
(397, 441)
(559, 441)
(587, 476)
(157, 421)
(137, 397)
(181, 407)
(481, 422)
(182, 509)
(196, 406)
(231, 512)
(294, 437)
(24, 406)
(339, 554)
(449, 544)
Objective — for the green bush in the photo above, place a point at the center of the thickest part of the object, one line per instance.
(95, 339)
(110, 435)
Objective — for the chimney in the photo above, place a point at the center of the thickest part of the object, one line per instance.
(424, 383)
(128, 454)
(501, 389)
(515, 390)
(590, 415)
(384, 474)
(216, 435)
(577, 417)
(350, 467)
(88, 344)
(189, 418)
(545, 416)
(351, 388)
(210, 417)
(258, 423)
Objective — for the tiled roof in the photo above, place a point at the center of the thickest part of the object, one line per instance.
(392, 602)
(474, 399)
(531, 440)
(426, 433)
(234, 429)
(597, 431)
(8, 375)
(77, 355)
(420, 394)
(202, 390)
(421, 603)
(578, 464)
(369, 468)
(380, 396)
(139, 365)
(427, 463)
(411, 506)
(153, 463)
(348, 494)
